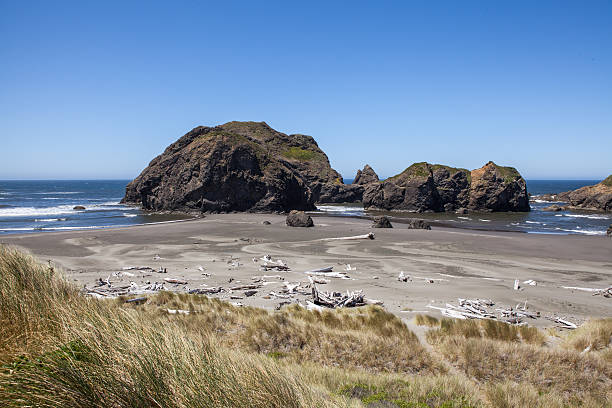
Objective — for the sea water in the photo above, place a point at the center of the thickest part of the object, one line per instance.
(32, 206)
(536, 221)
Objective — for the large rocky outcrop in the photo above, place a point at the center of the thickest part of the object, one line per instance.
(366, 176)
(497, 188)
(238, 166)
(425, 187)
(597, 197)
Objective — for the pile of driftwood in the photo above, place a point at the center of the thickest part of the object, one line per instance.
(332, 300)
(477, 309)
(105, 289)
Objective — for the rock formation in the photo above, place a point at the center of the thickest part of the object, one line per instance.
(366, 176)
(497, 188)
(382, 222)
(299, 219)
(416, 223)
(554, 208)
(425, 187)
(238, 166)
(348, 193)
(597, 197)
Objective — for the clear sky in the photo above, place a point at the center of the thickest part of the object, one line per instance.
(97, 89)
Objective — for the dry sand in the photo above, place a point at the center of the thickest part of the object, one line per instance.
(462, 263)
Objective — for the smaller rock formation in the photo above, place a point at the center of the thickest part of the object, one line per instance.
(597, 197)
(299, 219)
(266, 222)
(497, 188)
(366, 176)
(340, 193)
(554, 208)
(609, 231)
(416, 223)
(382, 222)
(78, 208)
(425, 187)
(461, 211)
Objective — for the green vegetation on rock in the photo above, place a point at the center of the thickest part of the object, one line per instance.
(299, 154)
(608, 181)
(509, 174)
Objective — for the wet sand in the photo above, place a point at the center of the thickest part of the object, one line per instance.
(462, 263)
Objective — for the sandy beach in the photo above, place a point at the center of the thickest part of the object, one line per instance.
(461, 263)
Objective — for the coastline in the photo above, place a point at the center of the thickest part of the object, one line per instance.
(463, 263)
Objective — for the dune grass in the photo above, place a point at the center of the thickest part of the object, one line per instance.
(486, 328)
(60, 349)
(517, 366)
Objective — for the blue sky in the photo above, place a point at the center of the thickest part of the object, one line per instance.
(97, 90)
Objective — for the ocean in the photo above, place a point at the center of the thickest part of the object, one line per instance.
(34, 206)
(536, 221)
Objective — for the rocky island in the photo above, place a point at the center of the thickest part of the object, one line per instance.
(239, 166)
(597, 197)
(425, 187)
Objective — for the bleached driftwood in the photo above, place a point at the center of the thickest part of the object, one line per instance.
(516, 284)
(369, 235)
(312, 306)
(136, 300)
(245, 287)
(178, 311)
(291, 287)
(564, 324)
(280, 295)
(206, 291)
(327, 272)
(314, 280)
(324, 269)
(605, 292)
(530, 282)
(336, 299)
(176, 281)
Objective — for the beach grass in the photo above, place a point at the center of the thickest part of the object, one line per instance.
(61, 349)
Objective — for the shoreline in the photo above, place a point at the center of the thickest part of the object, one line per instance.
(462, 263)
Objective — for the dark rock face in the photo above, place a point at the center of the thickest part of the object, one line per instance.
(382, 222)
(609, 231)
(299, 219)
(496, 188)
(425, 187)
(238, 166)
(366, 176)
(340, 193)
(597, 197)
(415, 223)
